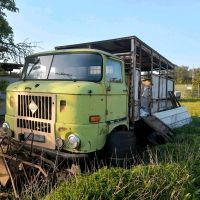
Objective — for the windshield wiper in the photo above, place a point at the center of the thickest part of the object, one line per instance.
(34, 64)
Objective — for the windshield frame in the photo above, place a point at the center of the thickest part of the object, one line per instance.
(24, 71)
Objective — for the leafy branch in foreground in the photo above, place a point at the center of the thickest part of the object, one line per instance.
(9, 50)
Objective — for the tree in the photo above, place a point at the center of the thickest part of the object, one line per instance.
(3, 85)
(196, 82)
(183, 75)
(9, 50)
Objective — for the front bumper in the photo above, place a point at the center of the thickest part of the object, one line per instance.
(56, 154)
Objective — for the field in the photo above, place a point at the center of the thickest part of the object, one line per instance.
(170, 171)
(185, 90)
(193, 106)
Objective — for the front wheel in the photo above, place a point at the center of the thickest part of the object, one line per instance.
(120, 148)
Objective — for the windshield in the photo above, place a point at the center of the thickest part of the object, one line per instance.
(69, 66)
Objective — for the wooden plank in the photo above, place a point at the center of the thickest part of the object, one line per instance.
(160, 128)
(176, 100)
(172, 100)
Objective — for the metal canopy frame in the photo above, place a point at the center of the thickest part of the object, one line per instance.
(123, 47)
(136, 55)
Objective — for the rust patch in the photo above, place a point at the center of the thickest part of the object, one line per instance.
(60, 129)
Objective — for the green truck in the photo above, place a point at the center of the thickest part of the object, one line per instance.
(86, 98)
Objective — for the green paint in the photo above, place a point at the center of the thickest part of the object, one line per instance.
(108, 100)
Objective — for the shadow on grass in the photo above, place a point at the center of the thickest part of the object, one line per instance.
(190, 100)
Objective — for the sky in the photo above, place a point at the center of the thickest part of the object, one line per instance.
(171, 27)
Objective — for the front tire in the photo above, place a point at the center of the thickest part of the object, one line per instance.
(120, 148)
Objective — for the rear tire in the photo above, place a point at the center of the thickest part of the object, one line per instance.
(120, 148)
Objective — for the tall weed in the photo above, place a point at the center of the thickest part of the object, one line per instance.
(168, 181)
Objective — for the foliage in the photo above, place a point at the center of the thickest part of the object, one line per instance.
(196, 81)
(6, 32)
(9, 50)
(196, 76)
(3, 85)
(172, 172)
(169, 181)
(183, 75)
(185, 89)
(9, 5)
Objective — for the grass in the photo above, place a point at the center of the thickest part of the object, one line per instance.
(193, 106)
(139, 182)
(170, 171)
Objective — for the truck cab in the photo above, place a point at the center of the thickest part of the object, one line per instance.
(69, 99)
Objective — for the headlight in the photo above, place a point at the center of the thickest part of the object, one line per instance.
(73, 141)
(6, 127)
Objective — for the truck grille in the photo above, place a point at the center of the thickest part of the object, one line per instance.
(44, 106)
(35, 112)
(40, 117)
(34, 125)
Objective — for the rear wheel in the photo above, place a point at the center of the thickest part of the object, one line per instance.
(120, 148)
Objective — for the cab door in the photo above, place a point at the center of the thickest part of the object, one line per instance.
(116, 91)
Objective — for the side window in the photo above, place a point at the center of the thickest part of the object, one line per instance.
(113, 71)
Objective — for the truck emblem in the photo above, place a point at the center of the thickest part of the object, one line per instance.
(33, 107)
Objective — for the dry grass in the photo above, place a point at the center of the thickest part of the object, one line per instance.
(170, 171)
(193, 106)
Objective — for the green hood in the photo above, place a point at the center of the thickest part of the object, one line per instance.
(58, 87)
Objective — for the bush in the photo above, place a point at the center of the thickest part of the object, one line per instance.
(168, 181)
(172, 172)
(3, 85)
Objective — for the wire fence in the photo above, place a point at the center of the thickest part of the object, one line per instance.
(188, 90)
